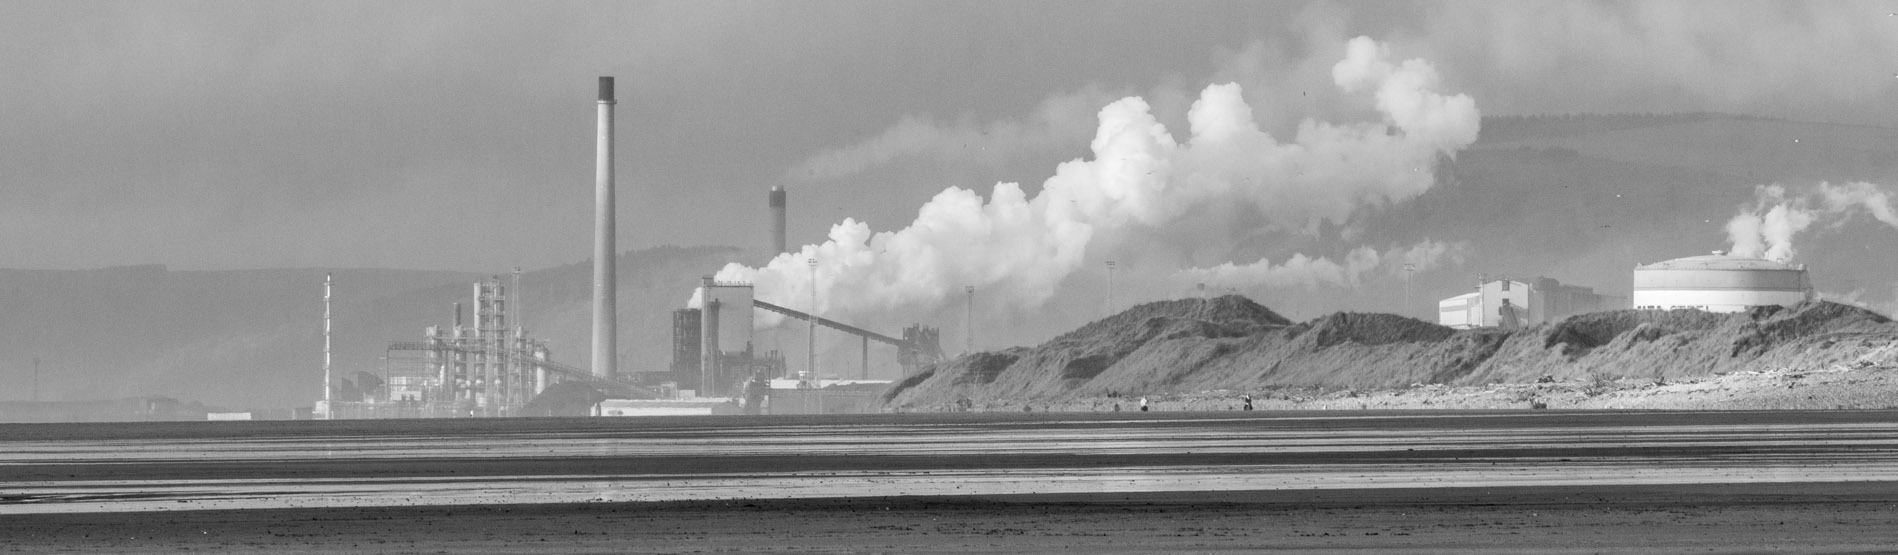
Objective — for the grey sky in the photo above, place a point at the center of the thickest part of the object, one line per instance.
(452, 135)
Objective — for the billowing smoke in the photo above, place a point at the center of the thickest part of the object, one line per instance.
(1766, 229)
(1143, 184)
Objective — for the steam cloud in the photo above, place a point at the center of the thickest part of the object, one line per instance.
(1018, 250)
(1767, 228)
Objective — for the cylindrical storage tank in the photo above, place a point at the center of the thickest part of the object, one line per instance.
(1719, 283)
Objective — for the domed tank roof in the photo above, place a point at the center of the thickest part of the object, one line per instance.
(1718, 261)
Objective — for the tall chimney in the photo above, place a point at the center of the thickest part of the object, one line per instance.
(777, 220)
(605, 294)
(708, 338)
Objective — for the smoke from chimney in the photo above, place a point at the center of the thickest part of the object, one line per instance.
(1141, 186)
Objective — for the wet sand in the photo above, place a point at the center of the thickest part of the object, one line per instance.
(1514, 482)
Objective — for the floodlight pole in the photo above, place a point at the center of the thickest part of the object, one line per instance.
(816, 380)
(968, 321)
(1409, 268)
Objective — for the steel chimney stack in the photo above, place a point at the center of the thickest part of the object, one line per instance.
(605, 255)
(777, 220)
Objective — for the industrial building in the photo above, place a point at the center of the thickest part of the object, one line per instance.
(712, 346)
(1719, 282)
(1512, 303)
(714, 343)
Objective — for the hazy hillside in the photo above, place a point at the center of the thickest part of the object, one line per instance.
(253, 339)
(1231, 344)
(236, 337)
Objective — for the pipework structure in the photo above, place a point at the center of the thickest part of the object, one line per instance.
(605, 257)
(920, 345)
(487, 367)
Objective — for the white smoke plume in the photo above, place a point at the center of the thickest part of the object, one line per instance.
(1308, 272)
(1298, 271)
(1429, 255)
(1055, 123)
(1767, 228)
(1859, 194)
(1019, 250)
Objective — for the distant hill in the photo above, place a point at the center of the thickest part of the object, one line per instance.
(253, 338)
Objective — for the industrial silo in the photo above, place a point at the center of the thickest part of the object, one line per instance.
(1719, 282)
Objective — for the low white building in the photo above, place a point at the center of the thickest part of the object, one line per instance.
(1719, 282)
(1462, 311)
(687, 407)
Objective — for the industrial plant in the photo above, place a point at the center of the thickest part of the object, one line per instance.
(489, 366)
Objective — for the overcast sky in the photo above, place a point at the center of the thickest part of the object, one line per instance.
(457, 135)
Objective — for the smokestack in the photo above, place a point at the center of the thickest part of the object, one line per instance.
(708, 338)
(605, 294)
(777, 220)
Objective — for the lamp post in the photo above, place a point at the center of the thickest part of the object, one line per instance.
(968, 321)
(329, 408)
(1409, 268)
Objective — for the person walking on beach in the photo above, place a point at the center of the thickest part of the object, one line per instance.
(1143, 404)
(1248, 398)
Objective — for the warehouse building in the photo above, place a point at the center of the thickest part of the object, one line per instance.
(1512, 303)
